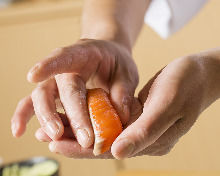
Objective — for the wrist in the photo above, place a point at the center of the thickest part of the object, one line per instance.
(107, 29)
(114, 36)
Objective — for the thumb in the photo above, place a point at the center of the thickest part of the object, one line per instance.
(142, 133)
(159, 113)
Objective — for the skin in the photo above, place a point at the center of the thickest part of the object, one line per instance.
(165, 109)
(102, 58)
(101, 65)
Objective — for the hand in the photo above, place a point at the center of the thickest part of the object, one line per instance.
(65, 75)
(171, 102)
(173, 99)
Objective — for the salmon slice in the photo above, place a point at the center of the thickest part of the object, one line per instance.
(105, 120)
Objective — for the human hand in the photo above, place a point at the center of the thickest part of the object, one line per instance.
(173, 99)
(65, 74)
(171, 102)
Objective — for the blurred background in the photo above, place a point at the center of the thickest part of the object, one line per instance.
(31, 29)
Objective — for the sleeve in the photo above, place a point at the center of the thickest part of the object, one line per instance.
(168, 16)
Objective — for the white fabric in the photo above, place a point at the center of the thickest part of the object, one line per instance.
(168, 16)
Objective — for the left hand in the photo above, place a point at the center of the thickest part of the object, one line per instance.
(171, 103)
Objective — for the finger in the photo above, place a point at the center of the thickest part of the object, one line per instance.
(122, 95)
(161, 112)
(22, 115)
(72, 92)
(66, 60)
(43, 98)
(142, 133)
(136, 111)
(43, 137)
(72, 149)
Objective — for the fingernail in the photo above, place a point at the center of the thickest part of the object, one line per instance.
(32, 71)
(14, 128)
(38, 137)
(123, 148)
(82, 137)
(51, 129)
(52, 147)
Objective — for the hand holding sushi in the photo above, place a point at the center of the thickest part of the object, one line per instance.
(165, 109)
(85, 65)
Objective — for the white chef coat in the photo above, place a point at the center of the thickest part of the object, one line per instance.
(168, 16)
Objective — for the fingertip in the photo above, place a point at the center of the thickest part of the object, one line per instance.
(54, 130)
(38, 73)
(84, 138)
(17, 129)
(14, 128)
(42, 136)
(31, 76)
(90, 141)
(122, 148)
(52, 147)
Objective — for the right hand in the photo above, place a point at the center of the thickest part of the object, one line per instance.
(65, 75)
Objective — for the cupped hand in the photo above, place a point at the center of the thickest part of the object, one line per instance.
(65, 75)
(166, 108)
(172, 101)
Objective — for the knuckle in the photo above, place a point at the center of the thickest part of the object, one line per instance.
(88, 48)
(22, 101)
(94, 49)
(55, 53)
(59, 50)
(70, 83)
(35, 93)
(71, 88)
(38, 91)
(96, 52)
(142, 133)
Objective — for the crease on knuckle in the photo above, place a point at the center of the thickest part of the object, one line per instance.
(23, 101)
(40, 89)
(71, 90)
(142, 134)
(97, 52)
